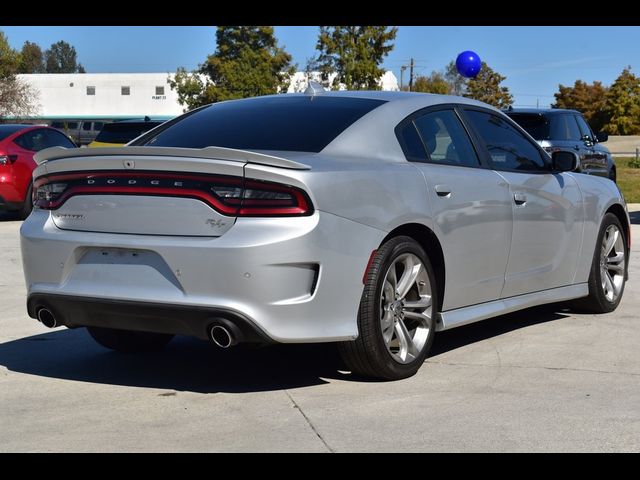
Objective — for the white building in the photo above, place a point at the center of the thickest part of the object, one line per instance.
(104, 95)
(123, 95)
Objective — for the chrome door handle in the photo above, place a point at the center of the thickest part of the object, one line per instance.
(443, 190)
(519, 198)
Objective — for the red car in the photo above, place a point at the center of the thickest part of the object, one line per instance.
(18, 145)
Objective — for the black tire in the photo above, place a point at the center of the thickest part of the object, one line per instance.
(368, 354)
(129, 341)
(27, 206)
(597, 302)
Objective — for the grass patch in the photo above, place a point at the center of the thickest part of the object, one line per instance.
(628, 179)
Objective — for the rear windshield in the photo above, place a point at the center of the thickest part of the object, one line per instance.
(6, 130)
(124, 132)
(292, 123)
(536, 125)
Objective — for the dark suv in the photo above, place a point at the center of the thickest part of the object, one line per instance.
(558, 129)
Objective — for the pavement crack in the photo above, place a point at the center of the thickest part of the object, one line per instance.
(501, 365)
(309, 422)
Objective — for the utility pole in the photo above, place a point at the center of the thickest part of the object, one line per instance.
(402, 69)
(411, 75)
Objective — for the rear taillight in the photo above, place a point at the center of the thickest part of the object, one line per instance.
(231, 196)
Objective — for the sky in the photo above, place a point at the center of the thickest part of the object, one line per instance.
(534, 59)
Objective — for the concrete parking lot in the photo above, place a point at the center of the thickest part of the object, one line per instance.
(544, 379)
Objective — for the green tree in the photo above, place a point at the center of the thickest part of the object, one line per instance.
(31, 58)
(622, 105)
(486, 88)
(9, 58)
(354, 54)
(62, 58)
(17, 98)
(247, 62)
(457, 82)
(434, 83)
(590, 99)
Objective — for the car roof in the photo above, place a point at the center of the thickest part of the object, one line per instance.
(10, 128)
(373, 135)
(541, 111)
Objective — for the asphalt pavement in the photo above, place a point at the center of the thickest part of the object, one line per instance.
(539, 380)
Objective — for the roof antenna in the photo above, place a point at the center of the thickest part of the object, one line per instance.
(314, 88)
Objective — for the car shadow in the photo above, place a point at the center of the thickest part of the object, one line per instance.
(635, 217)
(9, 216)
(189, 364)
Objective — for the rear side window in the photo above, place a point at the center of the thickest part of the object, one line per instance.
(564, 127)
(124, 132)
(445, 139)
(57, 139)
(411, 143)
(507, 147)
(536, 125)
(282, 122)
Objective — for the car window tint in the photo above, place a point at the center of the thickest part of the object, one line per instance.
(72, 125)
(25, 140)
(282, 122)
(508, 148)
(86, 126)
(57, 139)
(564, 127)
(411, 143)
(584, 127)
(445, 139)
(536, 125)
(34, 140)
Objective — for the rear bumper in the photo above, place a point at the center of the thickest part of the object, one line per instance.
(292, 279)
(142, 316)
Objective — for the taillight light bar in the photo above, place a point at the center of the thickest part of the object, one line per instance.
(232, 196)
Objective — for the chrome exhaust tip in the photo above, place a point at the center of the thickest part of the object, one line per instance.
(222, 336)
(47, 318)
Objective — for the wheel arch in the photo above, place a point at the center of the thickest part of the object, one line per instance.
(619, 211)
(431, 245)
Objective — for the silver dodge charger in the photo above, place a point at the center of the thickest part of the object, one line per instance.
(370, 219)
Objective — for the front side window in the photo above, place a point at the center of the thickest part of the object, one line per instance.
(585, 131)
(86, 126)
(564, 127)
(445, 139)
(507, 147)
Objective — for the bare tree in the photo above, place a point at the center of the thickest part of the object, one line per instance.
(17, 98)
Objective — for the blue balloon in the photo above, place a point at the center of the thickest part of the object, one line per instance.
(468, 64)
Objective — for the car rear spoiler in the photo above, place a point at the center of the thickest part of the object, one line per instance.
(217, 153)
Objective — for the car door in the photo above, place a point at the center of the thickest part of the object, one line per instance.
(547, 206)
(470, 205)
(597, 160)
(564, 134)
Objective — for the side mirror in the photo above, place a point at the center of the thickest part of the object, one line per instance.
(602, 137)
(564, 161)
